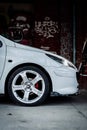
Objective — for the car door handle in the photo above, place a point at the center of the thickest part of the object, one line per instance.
(1, 43)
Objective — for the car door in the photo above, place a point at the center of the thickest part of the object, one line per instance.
(2, 56)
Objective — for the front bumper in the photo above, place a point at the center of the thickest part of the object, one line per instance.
(64, 80)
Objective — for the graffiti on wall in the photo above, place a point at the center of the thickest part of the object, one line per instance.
(65, 39)
(46, 28)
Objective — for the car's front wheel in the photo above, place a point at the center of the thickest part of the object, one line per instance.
(28, 85)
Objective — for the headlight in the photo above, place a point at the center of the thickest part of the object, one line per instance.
(61, 61)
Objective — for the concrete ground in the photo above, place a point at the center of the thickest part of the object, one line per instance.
(58, 113)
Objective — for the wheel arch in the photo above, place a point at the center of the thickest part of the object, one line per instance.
(28, 64)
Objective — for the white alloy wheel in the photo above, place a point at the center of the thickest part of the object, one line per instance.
(28, 86)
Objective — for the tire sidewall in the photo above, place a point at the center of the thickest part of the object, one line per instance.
(43, 75)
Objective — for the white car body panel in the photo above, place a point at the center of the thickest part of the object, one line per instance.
(13, 54)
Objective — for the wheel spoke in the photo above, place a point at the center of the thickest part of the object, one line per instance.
(36, 91)
(26, 95)
(36, 79)
(18, 87)
(24, 76)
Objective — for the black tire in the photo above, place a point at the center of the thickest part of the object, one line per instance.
(29, 86)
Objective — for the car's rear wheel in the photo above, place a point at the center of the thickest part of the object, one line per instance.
(28, 85)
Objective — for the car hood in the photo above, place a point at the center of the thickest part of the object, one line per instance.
(29, 48)
(42, 51)
(11, 43)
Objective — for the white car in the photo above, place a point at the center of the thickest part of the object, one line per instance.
(29, 75)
